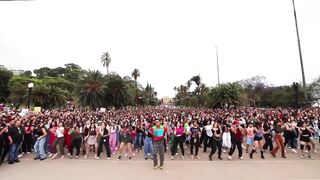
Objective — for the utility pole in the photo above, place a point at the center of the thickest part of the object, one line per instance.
(218, 66)
(300, 54)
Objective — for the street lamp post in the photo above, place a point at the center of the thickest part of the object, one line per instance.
(30, 86)
(300, 55)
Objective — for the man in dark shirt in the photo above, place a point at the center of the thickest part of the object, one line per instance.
(15, 135)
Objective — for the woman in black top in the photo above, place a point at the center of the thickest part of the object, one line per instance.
(126, 141)
(195, 134)
(305, 140)
(104, 141)
(217, 140)
(267, 136)
(76, 140)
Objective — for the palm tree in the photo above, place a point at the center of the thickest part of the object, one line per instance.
(90, 90)
(106, 60)
(117, 91)
(135, 74)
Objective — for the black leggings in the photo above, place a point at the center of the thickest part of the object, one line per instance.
(216, 144)
(76, 143)
(289, 136)
(194, 144)
(234, 144)
(5, 150)
(177, 140)
(27, 143)
(268, 142)
(105, 142)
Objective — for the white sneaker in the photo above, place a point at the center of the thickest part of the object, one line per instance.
(171, 157)
(177, 154)
(77, 157)
(315, 151)
(294, 151)
(241, 158)
(28, 152)
(20, 155)
(198, 157)
(108, 158)
(126, 155)
(148, 154)
(302, 157)
(229, 157)
(133, 154)
(86, 156)
(192, 157)
(224, 151)
(182, 157)
(97, 158)
(50, 155)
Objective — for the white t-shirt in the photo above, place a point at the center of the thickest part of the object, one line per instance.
(208, 130)
(60, 131)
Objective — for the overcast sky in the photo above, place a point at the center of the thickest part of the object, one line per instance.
(169, 41)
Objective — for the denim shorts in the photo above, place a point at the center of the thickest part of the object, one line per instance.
(250, 140)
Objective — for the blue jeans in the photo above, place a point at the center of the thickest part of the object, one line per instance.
(14, 152)
(138, 140)
(39, 148)
(148, 148)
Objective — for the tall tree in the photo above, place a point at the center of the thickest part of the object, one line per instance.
(90, 90)
(106, 60)
(135, 74)
(5, 76)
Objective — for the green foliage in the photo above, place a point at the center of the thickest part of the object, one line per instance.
(5, 76)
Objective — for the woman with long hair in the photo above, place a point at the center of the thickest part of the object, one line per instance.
(290, 134)
(113, 138)
(104, 140)
(59, 141)
(305, 140)
(195, 134)
(28, 140)
(90, 134)
(217, 140)
(278, 129)
(258, 140)
(178, 132)
(76, 140)
(126, 141)
(39, 146)
(52, 138)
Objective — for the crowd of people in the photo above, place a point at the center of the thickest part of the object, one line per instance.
(74, 133)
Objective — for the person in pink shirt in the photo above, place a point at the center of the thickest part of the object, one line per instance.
(179, 138)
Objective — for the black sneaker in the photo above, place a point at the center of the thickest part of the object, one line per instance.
(146, 158)
(41, 159)
(17, 161)
(119, 158)
(36, 158)
(220, 158)
(11, 162)
(130, 157)
(210, 158)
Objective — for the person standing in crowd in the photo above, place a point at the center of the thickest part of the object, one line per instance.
(104, 141)
(53, 137)
(266, 127)
(76, 140)
(126, 141)
(305, 140)
(217, 140)
(90, 134)
(207, 136)
(148, 148)
(139, 137)
(4, 142)
(59, 141)
(15, 135)
(237, 132)
(290, 135)
(195, 134)
(39, 146)
(250, 136)
(113, 138)
(28, 140)
(178, 132)
(258, 138)
(158, 132)
(278, 129)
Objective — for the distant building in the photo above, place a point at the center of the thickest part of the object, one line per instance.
(17, 71)
(166, 100)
